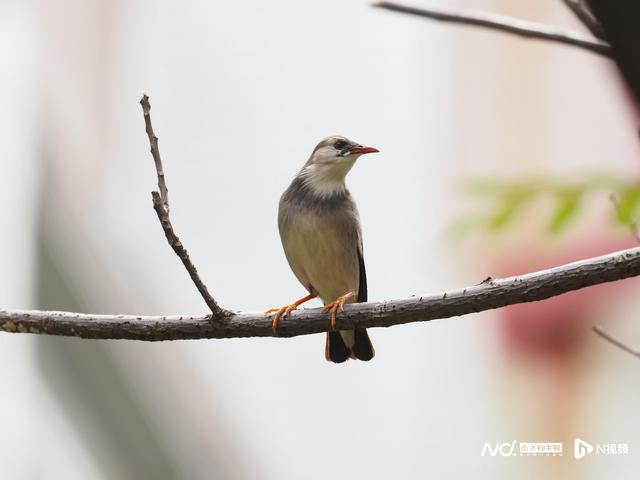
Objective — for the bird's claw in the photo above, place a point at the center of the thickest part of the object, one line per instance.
(333, 306)
(286, 310)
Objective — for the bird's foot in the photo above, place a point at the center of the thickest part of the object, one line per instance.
(286, 310)
(333, 306)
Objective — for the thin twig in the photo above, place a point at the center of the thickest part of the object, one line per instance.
(477, 298)
(598, 329)
(633, 225)
(585, 15)
(503, 23)
(155, 152)
(161, 206)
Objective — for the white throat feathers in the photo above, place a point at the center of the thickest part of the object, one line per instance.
(327, 179)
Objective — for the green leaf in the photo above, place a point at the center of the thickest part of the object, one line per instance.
(508, 198)
(509, 207)
(567, 208)
(627, 204)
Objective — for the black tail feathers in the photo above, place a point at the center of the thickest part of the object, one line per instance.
(362, 347)
(337, 351)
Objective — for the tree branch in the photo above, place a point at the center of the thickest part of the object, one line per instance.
(161, 206)
(615, 342)
(494, 293)
(580, 10)
(503, 23)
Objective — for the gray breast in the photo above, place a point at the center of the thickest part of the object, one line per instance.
(321, 239)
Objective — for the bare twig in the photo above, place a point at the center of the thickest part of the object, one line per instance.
(598, 329)
(155, 152)
(477, 298)
(503, 23)
(161, 206)
(581, 10)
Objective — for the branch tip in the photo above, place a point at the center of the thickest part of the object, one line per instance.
(146, 106)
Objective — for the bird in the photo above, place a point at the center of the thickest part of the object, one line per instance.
(321, 236)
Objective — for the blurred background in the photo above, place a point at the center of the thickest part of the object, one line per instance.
(241, 93)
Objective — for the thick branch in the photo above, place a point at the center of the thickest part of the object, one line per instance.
(161, 206)
(488, 295)
(503, 23)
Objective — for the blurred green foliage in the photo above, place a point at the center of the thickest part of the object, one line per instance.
(504, 202)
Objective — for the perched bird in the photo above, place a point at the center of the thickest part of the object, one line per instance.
(321, 235)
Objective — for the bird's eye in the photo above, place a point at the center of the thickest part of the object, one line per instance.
(339, 145)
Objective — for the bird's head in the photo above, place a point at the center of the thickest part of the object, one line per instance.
(330, 162)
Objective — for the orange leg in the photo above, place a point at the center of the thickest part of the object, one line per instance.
(286, 310)
(333, 306)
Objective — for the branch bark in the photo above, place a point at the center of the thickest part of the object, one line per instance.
(493, 293)
(503, 23)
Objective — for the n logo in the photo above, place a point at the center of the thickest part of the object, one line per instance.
(581, 448)
(504, 449)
